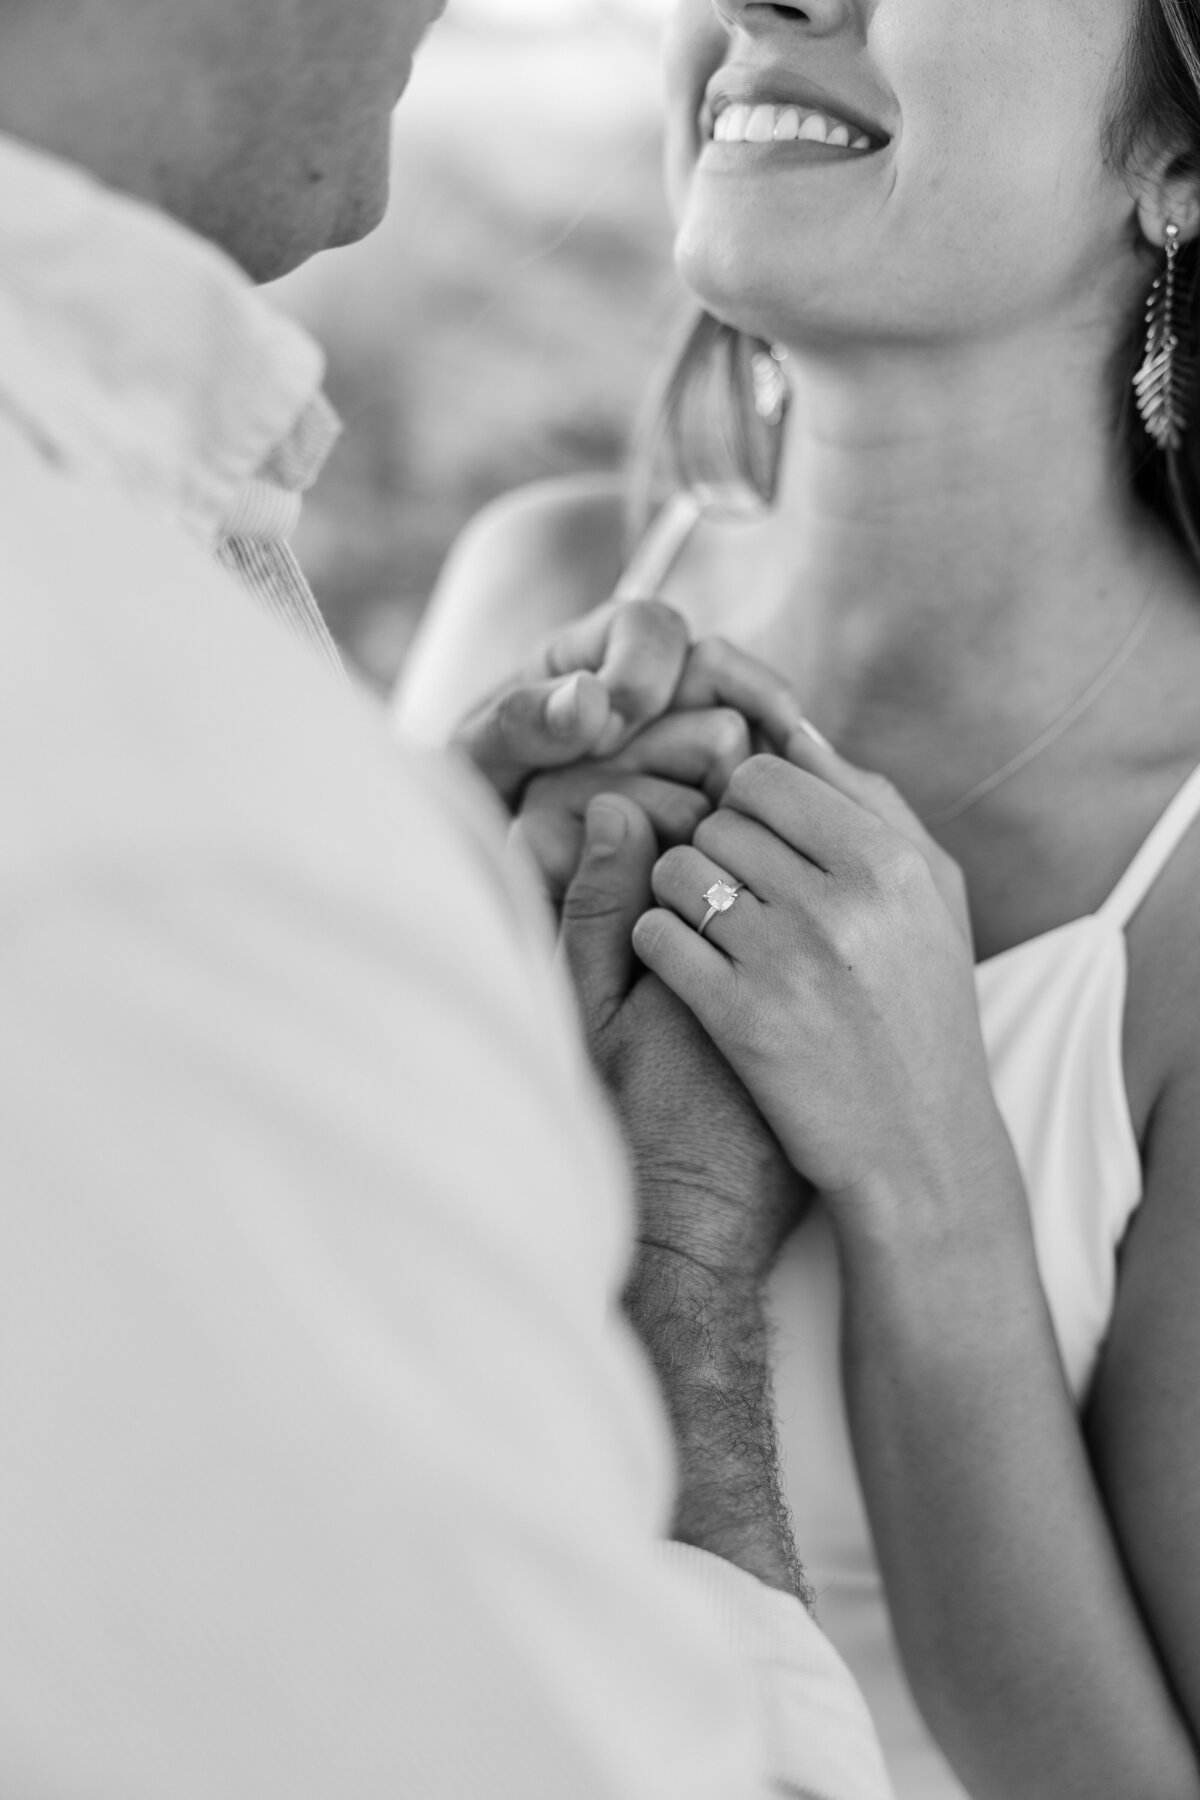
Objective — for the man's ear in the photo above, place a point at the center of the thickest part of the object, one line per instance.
(1167, 192)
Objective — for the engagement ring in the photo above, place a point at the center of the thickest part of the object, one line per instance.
(720, 896)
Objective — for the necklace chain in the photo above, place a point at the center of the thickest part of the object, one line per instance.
(1062, 724)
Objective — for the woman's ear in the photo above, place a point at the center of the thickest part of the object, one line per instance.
(1164, 196)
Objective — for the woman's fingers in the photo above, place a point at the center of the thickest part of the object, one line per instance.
(695, 970)
(682, 880)
(718, 674)
(757, 855)
(821, 823)
(877, 795)
(874, 792)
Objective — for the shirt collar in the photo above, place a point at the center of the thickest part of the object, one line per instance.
(136, 353)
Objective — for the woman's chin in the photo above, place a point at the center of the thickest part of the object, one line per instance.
(734, 290)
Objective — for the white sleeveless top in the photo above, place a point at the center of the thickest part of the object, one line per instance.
(1052, 1011)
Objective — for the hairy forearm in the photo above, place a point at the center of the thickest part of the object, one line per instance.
(706, 1335)
(1019, 1632)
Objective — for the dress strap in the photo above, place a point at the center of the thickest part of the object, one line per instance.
(1154, 854)
(659, 550)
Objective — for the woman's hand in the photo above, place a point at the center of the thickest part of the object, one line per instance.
(877, 795)
(839, 985)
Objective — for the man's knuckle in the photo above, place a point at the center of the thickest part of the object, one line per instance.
(586, 902)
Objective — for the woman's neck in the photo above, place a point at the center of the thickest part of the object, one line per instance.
(952, 525)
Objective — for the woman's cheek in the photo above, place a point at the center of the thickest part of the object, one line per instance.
(694, 48)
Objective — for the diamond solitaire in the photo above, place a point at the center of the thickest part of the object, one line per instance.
(720, 896)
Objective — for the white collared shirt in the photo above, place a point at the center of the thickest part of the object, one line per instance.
(327, 1469)
(137, 356)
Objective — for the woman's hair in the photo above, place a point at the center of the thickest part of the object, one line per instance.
(702, 429)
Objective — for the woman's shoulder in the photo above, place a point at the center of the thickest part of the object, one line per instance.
(570, 529)
(543, 553)
(527, 564)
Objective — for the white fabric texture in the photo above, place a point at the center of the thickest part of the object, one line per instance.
(130, 356)
(328, 1469)
(1052, 1012)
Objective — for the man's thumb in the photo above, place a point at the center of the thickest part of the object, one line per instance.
(536, 726)
(610, 892)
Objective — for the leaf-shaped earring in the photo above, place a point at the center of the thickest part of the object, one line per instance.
(771, 390)
(1163, 382)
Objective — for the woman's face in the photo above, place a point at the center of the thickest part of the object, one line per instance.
(966, 192)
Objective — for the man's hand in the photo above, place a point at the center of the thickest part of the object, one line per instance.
(676, 770)
(589, 690)
(726, 705)
(594, 687)
(717, 1199)
(716, 1188)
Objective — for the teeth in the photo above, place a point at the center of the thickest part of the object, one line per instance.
(734, 123)
(763, 124)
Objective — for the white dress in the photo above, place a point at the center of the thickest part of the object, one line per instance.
(1052, 1011)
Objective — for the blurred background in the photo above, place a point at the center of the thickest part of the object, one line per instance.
(502, 324)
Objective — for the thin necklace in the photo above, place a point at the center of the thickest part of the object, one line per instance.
(1062, 724)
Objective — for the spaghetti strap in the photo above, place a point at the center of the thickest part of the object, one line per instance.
(1154, 854)
(659, 550)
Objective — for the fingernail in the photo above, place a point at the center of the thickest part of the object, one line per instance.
(562, 708)
(606, 828)
(810, 731)
(611, 736)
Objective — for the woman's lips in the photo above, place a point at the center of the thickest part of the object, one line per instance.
(744, 105)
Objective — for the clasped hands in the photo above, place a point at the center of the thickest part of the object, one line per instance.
(824, 1034)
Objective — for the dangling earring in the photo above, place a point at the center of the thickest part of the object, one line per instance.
(771, 390)
(1163, 381)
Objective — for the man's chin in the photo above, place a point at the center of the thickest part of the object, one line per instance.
(362, 215)
(354, 217)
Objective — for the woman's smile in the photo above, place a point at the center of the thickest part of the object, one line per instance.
(744, 105)
(775, 124)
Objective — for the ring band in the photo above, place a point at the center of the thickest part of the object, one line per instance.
(720, 896)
